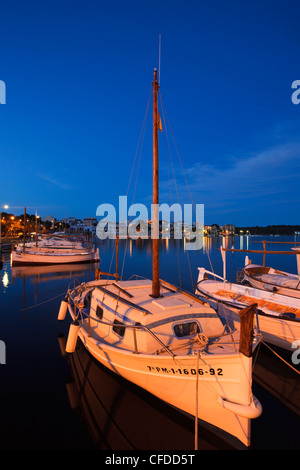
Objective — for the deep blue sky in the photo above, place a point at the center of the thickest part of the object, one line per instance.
(78, 76)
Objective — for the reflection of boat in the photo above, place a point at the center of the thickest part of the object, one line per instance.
(278, 379)
(46, 256)
(120, 416)
(168, 342)
(44, 273)
(278, 316)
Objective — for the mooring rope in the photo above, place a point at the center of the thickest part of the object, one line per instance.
(44, 302)
(278, 355)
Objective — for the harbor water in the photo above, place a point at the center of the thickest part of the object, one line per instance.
(51, 400)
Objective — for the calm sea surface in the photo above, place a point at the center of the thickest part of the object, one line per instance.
(52, 401)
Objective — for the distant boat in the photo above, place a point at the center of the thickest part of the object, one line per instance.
(52, 250)
(278, 316)
(168, 342)
(46, 256)
(54, 241)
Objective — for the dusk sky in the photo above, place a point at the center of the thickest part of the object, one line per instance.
(78, 76)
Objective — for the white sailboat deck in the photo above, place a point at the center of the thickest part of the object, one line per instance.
(176, 319)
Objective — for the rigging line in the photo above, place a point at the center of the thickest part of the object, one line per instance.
(143, 125)
(142, 133)
(159, 56)
(171, 200)
(168, 145)
(208, 256)
(162, 107)
(141, 139)
(185, 177)
(44, 302)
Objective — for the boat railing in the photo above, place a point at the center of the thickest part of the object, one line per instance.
(137, 326)
(205, 271)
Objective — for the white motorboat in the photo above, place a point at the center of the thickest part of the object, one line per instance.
(168, 341)
(278, 316)
(53, 241)
(46, 256)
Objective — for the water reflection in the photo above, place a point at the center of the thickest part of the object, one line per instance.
(5, 279)
(52, 273)
(278, 379)
(121, 416)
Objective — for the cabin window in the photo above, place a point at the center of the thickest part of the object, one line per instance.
(99, 312)
(119, 328)
(186, 329)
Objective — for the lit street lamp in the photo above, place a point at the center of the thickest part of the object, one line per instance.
(5, 207)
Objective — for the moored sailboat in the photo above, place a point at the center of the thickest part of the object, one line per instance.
(167, 341)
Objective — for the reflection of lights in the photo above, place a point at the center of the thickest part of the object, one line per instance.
(5, 279)
(207, 244)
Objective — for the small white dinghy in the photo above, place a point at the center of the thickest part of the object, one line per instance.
(168, 341)
(278, 316)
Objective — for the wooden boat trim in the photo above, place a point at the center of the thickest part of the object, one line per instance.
(237, 303)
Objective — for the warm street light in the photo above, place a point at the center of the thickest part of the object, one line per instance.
(5, 207)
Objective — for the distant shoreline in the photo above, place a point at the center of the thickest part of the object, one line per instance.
(269, 230)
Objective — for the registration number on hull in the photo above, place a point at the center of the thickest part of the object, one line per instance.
(165, 370)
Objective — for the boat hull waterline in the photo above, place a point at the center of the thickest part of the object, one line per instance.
(50, 258)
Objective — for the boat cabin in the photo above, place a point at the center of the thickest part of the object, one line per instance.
(125, 314)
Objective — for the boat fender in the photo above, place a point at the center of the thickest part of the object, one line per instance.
(72, 337)
(251, 411)
(275, 289)
(63, 309)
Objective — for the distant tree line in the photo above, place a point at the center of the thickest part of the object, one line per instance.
(270, 230)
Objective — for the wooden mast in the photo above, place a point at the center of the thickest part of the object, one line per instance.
(24, 233)
(155, 222)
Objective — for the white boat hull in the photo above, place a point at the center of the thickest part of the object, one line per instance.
(48, 258)
(223, 383)
(275, 329)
